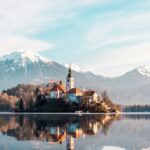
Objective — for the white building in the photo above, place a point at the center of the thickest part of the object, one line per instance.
(91, 96)
(69, 142)
(57, 92)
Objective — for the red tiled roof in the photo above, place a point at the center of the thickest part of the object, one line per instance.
(74, 90)
(88, 93)
(58, 88)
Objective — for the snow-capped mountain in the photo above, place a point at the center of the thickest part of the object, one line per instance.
(144, 70)
(21, 59)
(24, 56)
(75, 67)
(28, 67)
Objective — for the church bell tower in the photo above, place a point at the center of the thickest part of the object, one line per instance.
(69, 80)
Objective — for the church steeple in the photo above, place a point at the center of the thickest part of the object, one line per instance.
(69, 72)
(69, 80)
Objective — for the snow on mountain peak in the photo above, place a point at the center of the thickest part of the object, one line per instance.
(74, 67)
(24, 56)
(144, 70)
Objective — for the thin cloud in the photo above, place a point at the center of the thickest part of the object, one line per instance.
(11, 43)
(111, 34)
(129, 28)
(20, 19)
(120, 60)
(119, 39)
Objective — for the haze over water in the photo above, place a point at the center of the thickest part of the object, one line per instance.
(86, 132)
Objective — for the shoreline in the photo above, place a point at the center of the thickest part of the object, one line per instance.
(70, 113)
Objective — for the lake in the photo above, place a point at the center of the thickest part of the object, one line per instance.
(78, 132)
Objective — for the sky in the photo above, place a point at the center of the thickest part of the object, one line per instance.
(107, 37)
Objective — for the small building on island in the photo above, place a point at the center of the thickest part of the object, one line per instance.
(90, 96)
(57, 91)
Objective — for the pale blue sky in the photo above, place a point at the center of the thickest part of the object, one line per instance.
(108, 37)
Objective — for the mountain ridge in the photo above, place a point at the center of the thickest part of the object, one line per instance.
(28, 67)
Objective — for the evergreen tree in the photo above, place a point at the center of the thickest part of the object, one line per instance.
(21, 105)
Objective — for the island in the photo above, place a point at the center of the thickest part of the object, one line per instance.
(56, 97)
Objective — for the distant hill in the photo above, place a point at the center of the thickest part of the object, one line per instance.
(28, 67)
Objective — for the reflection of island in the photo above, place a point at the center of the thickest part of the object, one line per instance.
(55, 129)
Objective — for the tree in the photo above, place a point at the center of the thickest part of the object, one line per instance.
(31, 105)
(105, 96)
(21, 105)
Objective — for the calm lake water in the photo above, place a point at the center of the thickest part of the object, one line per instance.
(86, 132)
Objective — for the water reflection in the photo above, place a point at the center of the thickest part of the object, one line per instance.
(55, 129)
(86, 132)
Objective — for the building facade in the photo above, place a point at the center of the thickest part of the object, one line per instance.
(57, 92)
(74, 95)
(90, 96)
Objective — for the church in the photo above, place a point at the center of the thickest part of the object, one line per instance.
(69, 92)
(73, 94)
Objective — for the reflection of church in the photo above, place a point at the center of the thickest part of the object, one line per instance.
(56, 130)
(70, 142)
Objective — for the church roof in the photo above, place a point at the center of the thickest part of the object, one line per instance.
(58, 88)
(74, 90)
(89, 93)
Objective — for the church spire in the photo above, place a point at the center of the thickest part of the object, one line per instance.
(69, 72)
(69, 80)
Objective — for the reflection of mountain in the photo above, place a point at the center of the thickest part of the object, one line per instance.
(54, 128)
